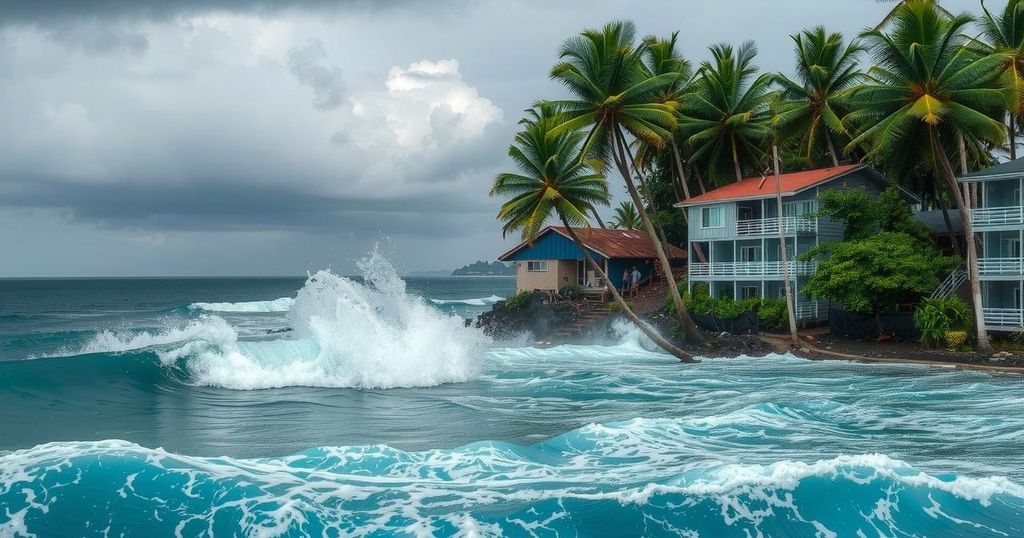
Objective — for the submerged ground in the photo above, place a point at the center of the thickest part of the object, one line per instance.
(350, 410)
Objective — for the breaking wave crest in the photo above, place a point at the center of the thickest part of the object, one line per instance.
(634, 477)
(481, 301)
(345, 334)
(277, 305)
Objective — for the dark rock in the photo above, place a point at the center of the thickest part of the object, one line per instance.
(537, 317)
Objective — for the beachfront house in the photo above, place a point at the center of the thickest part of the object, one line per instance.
(733, 239)
(553, 261)
(998, 221)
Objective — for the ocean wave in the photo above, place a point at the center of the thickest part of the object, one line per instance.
(277, 305)
(481, 301)
(345, 334)
(625, 476)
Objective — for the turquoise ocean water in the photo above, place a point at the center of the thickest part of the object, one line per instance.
(332, 406)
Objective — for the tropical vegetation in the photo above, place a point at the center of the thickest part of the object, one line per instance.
(936, 318)
(925, 95)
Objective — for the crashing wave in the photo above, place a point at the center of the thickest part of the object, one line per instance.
(345, 334)
(277, 305)
(624, 476)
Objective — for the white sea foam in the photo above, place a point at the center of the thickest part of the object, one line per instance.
(277, 305)
(481, 301)
(346, 334)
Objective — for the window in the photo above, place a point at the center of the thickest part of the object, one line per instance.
(750, 254)
(712, 217)
(749, 292)
(537, 267)
(802, 208)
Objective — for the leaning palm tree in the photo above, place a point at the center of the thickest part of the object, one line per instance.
(1004, 34)
(553, 181)
(626, 217)
(927, 93)
(726, 119)
(612, 95)
(810, 108)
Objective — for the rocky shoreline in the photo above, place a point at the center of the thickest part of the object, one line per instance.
(542, 320)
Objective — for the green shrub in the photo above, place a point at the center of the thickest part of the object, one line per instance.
(614, 306)
(937, 317)
(571, 291)
(773, 314)
(518, 300)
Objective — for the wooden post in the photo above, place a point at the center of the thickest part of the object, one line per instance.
(782, 245)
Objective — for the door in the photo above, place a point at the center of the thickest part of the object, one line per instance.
(750, 254)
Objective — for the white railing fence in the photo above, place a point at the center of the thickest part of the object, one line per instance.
(996, 216)
(1003, 317)
(810, 310)
(751, 269)
(771, 226)
(951, 284)
(1001, 266)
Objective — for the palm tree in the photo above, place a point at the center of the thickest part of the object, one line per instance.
(726, 119)
(889, 16)
(552, 180)
(661, 57)
(1004, 34)
(626, 217)
(927, 92)
(810, 109)
(612, 94)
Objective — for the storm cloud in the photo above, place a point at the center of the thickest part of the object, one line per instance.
(214, 132)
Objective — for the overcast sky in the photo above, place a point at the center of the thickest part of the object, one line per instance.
(234, 137)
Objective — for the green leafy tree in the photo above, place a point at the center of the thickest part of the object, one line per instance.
(927, 96)
(875, 274)
(810, 108)
(613, 95)
(726, 118)
(552, 181)
(864, 215)
(626, 217)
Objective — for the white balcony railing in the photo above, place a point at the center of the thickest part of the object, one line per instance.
(1003, 317)
(997, 216)
(750, 269)
(810, 310)
(1000, 266)
(771, 226)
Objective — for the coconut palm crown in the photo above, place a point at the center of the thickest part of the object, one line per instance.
(551, 178)
(726, 118)
(1004, 34)
(810, 108)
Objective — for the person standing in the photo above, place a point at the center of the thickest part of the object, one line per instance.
(626, 281)
(635, 281)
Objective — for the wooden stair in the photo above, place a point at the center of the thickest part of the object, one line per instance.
(592, 314)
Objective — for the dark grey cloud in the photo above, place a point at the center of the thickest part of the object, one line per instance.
(307, 63)
(97, 38)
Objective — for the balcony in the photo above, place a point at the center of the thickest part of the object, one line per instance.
(770, 226)
(1001, 266)
(997, 216)
(1003, 317)
(754, 270)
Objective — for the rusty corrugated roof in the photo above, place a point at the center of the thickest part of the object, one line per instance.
(610, 243)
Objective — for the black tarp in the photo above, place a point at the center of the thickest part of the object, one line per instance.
(746, 323)
(863, 326)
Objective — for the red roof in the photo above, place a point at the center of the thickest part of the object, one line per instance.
(764, 187)
(611, 244)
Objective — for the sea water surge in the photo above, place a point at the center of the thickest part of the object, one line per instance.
(365, 407)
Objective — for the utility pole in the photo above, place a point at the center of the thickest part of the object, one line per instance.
(782, 246)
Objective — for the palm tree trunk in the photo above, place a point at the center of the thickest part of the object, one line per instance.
(690, 330)
(831, 148)
(643, 326)
(598, 218)
(682, 171)
(736, 164)
(984, 346)
(782, 244)
(700, 181)
(1013, 138)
